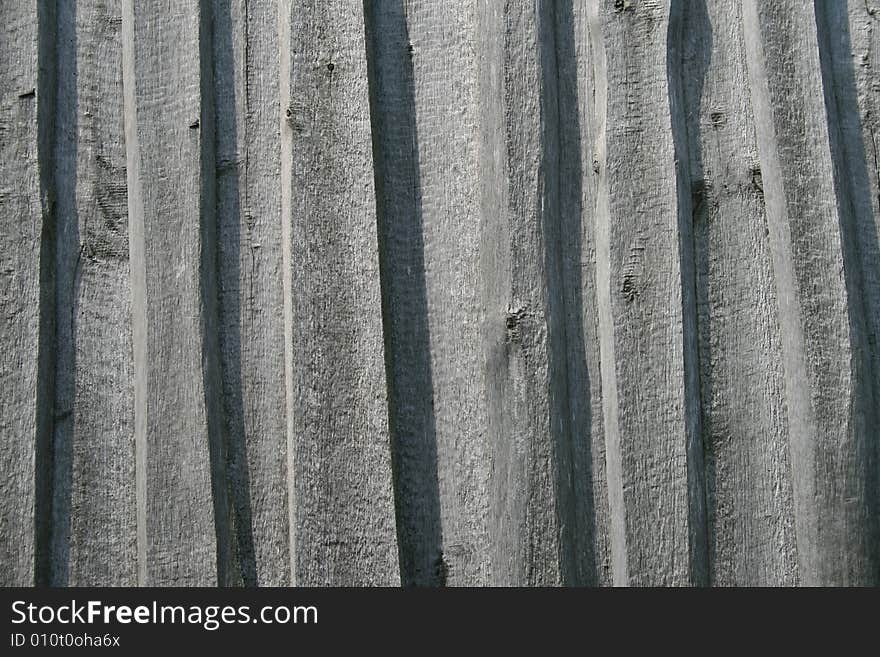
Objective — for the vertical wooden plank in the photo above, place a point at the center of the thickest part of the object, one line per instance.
(169, 140)
(833, 417)
(524, 536)
(342, 516)
(645, 304)
(750, 511)
(25, 240)
(246, 83)
(543, 516)
(616, 527)
(579, 120)
(423, 72)
(428, 66)
(93, 516)
(850, 54)
(853, 55)
(402, 227)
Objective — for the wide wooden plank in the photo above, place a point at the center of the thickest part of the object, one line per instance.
(850, 55)
(645, 301)
(248, 142)
(339, 465)
(829, 387)
(94, 535)
(178, 428)
(424, 113)
(542, 521)
(426, 64)
(25, 238)
(750, 512)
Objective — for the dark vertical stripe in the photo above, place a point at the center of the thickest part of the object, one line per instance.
(227, 571)
(696, 473)
(46, 100)
(404, 294)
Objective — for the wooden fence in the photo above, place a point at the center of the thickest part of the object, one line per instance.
(439, 292)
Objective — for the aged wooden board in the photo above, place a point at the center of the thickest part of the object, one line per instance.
(829, 391)
(94, 526)
(339, 457)
(750, 514)
(422, 70)
(537, 373)
(575, 292)
(647, 306)
(183, 531)
(251, 302)
(25, 242)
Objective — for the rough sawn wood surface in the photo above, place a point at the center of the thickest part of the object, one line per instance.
(332, 292)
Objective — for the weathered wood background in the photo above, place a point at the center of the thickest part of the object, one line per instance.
(463, 292)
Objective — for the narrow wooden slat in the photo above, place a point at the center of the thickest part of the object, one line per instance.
(94, 524)
(169, 137)
(645, 306)
(246, 83)
(25, 238)
(750, 511)
(341, 501)
(616, 525)
(579, 113)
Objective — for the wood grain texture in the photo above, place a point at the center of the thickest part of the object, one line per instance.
(341, 501)
(251, 302)
(652, 422)
(583, 107)
(26, 239)
(750, 512)
(847, 51)
(538, 379)
(829, 388)
(573, 292)
(94, 535)
(169, 138)
(423, 68)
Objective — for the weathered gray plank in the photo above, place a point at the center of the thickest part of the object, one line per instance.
(423, 74)
(525, 547)
(542, 522)
(849, 51)
(341, 502)
(579, 66)
(832, 418)
(25, 227)
(169, 140)
(248, 134)
(646, 309)
(425, 69)
(750, 512)
(94, 536)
